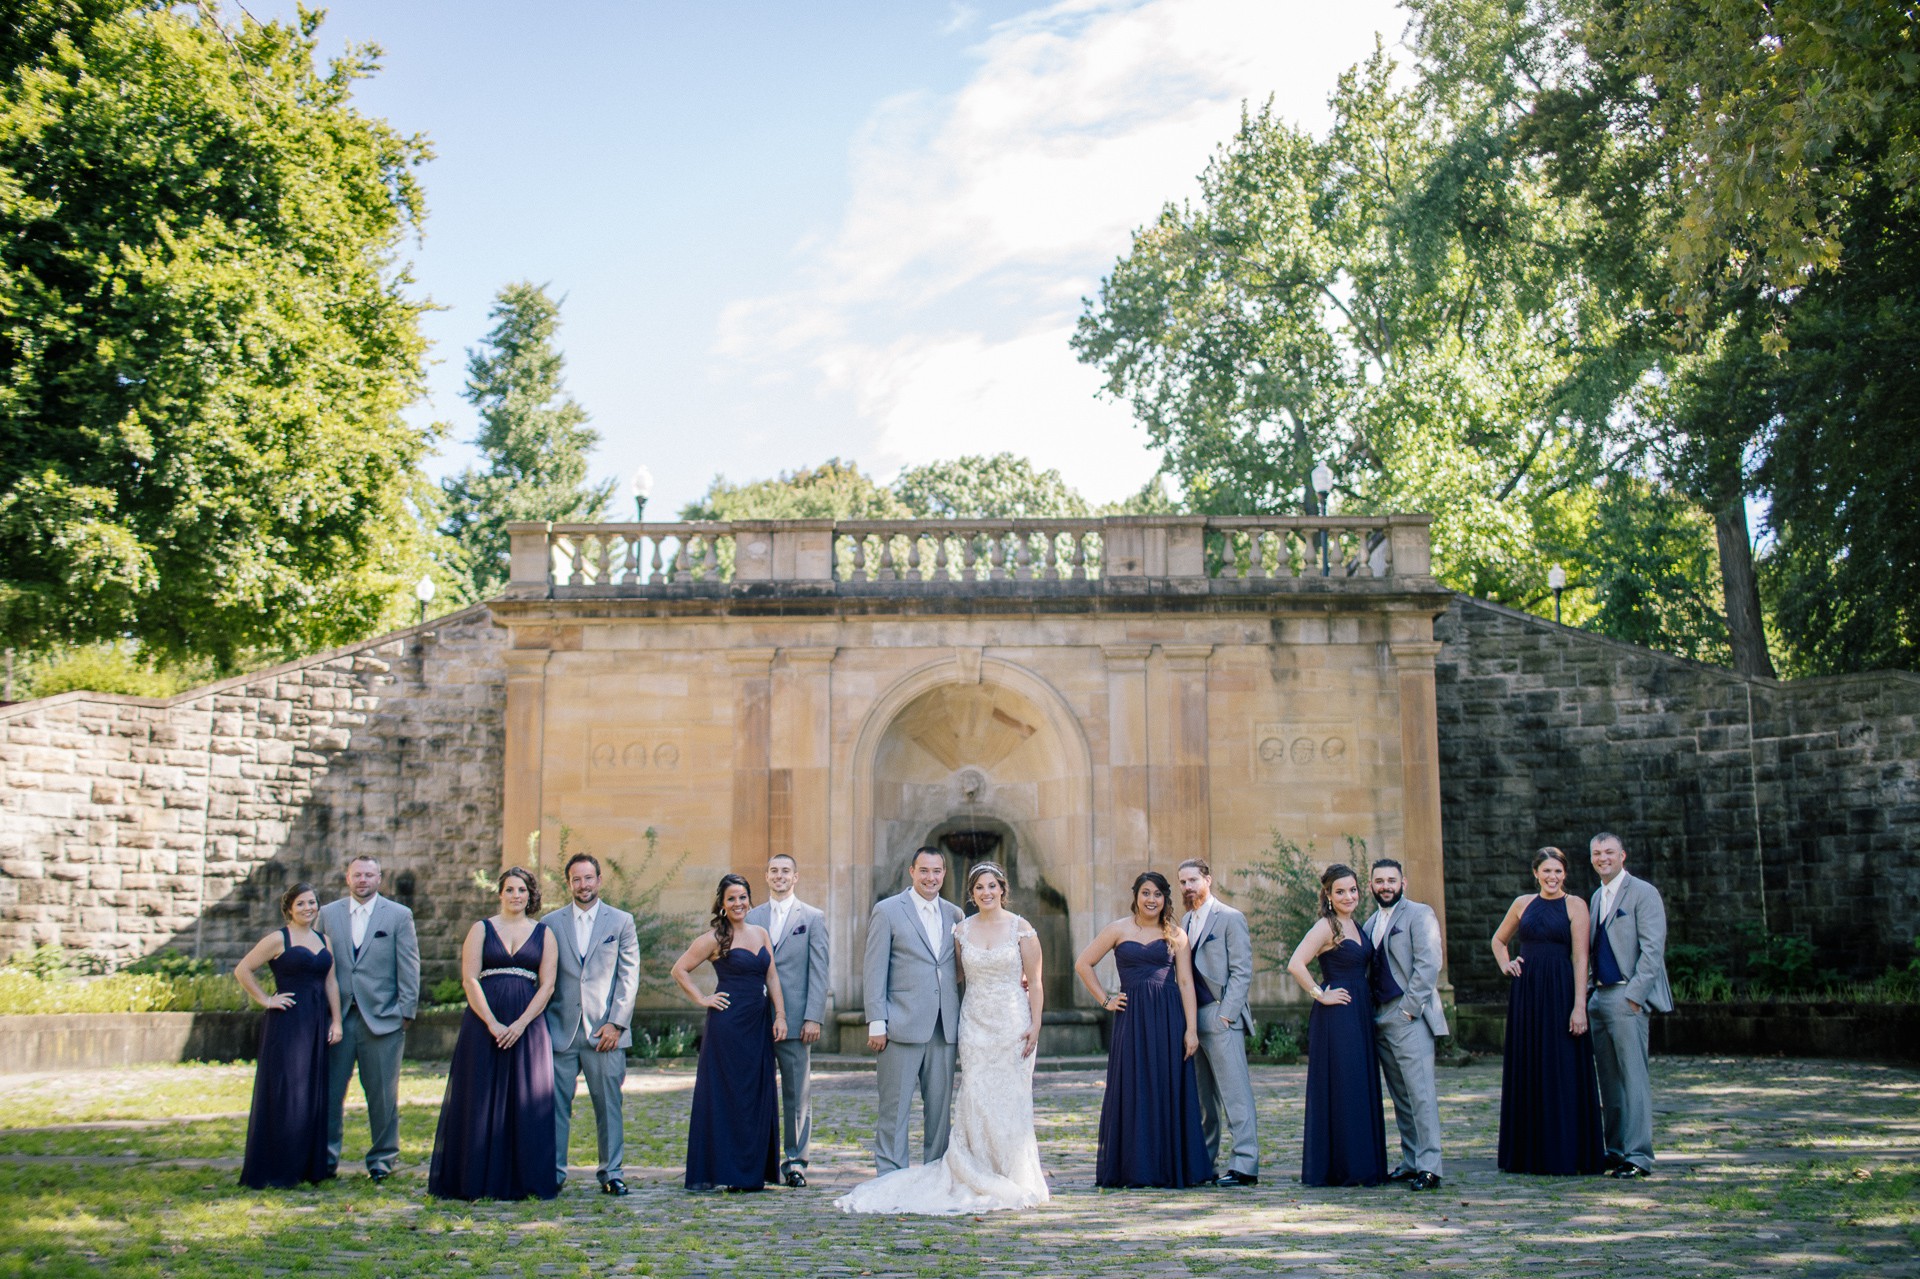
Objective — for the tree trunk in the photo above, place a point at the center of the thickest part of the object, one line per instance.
(1741, 589)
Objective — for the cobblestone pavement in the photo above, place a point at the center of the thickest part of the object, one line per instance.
(1767, 1168)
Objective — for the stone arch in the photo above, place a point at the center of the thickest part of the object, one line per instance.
(1040, 789)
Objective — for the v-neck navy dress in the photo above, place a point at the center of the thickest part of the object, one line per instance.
(496, 1123)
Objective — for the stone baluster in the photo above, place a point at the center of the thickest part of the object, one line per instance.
(1079, 570)
(886, 572)
(577, 561)
(913, 558)
(996, 558)
(658, 575)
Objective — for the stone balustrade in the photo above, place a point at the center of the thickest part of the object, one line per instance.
(1121, 554)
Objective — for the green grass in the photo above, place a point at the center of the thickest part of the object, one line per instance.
(155, 1193)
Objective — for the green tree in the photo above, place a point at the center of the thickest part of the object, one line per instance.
(206, 340)
(1322, 301)
(1002, 487)
(834, 490)
(533, 436)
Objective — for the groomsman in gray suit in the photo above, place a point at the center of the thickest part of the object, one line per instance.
(913, 1011)
(376, 962)
(1405, 978)
(799, 933)
(1222, 949)
(590, 1016)
(1629, 949)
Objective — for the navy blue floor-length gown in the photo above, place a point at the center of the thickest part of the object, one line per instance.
(495, 1139)
(1150, 1119)
(1346, 1137)
(287, 1128)
(733, 1136)
(1549, 1098)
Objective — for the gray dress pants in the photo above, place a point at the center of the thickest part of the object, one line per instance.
(795, 1061)
(902, 1071)
(1626, 1089)
(1226, 1084)
(605, 1072)
(378, 1057)
(1406, 1059)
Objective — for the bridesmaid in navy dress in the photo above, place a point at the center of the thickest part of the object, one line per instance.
(1346, 1140)
(1549, 1099)
(495, 1139)
(287, 1129)
(1150, 1132)
(733, 1137)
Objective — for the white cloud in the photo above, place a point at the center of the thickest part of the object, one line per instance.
(941, 308)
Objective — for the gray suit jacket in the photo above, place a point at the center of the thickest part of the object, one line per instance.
(1224, 958)
(383, 980)
(1638, 934)
(1413, 949)
(604, 984)
(800, 957)
(907, 985)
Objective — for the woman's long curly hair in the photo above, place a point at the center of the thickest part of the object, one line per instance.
(1159, 881)
(1328, 878)
(722, 926)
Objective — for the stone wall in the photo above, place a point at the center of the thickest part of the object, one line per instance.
(1792, 805)
(128, 824)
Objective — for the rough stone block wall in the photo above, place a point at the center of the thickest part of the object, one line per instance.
(131, 824)
(1793, 805)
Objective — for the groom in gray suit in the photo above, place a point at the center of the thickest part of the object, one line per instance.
(1404, 975)
(376, 962)
(1629, 968)
(913, 1010)
(590, 1016)
(1222, 950)
(799, 933)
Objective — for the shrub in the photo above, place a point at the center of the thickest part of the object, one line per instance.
(676, 1041)
(447, 994)
(171, 963)
(1280, 895)
(23, 992)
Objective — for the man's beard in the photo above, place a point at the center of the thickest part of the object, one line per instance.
(1384, 900)
(1187, 897)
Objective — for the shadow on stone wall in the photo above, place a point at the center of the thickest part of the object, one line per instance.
(1794, 807)
(130, 824)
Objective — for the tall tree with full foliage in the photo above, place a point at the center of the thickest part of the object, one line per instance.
(533, 437)
(206, 335)
(834, 490)
(1005, 486)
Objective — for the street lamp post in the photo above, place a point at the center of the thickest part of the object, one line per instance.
(423, 590)
(642, 490)
(1556, 582)
(1323, 485)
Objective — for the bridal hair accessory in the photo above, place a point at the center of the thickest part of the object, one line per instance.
(987, 868)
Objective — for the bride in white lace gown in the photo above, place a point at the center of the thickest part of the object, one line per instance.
(992, 1160)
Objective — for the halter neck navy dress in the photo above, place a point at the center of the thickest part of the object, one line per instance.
(1150, 1131)
(1549, 1096)
(733, 1135)
(1346, 1137)
(495, 1139)
(287, 1128)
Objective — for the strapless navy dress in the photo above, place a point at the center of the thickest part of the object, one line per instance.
(1346, 1137)
(1150, 1131)
(733, 1135)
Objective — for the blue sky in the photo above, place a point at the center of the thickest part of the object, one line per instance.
(790, 231)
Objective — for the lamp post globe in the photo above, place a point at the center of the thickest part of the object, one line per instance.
(424, 591)
(1323, 485)
(642, 490)
(1556, 582)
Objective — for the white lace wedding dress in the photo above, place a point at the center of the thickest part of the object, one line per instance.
(992, 1160)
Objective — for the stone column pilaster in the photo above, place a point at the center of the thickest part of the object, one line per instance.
(752, 741)
(1181, 804)
(525, 751)
(1128, 809)
(1420, 774)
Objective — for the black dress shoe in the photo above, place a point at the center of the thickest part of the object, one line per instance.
(1231, 1179)
(1424, 1181)
(378, 1175)
(796, 1178)
(1402, 1174)
(1630, 1172)
(613, 1186)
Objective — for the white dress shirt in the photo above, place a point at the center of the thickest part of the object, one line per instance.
(1610, 893)
(1198, 928)
(778, 911)
(360, 914)
(1382, 923)
(583, 927)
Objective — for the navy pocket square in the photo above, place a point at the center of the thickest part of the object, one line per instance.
(380, 934)
(607, 941)
(1620, 912)
(1394, 931)
(796, 932)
